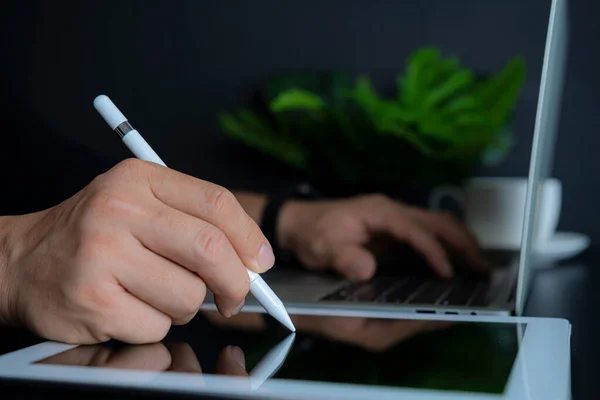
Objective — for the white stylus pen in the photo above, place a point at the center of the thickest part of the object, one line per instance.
(142, 150)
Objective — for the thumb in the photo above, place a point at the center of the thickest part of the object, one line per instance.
(354, 262)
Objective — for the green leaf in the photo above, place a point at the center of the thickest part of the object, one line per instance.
(305, 118)
(328, 85)
(337, 89)
(297, 99)
(435, 127)
(413, 138)
(256, 133)
(397, 113)
(411, 82)
(461, 103)
(454, 84)
(470, 119)
(366, 96)
(432, 74)
(437, 72)
(499, 94)
(277, 84)
(512, 74)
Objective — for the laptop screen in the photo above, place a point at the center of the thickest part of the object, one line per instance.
(543, 194)
(416, 354)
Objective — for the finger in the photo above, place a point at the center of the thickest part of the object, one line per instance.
(201, 248)
(231, 361)
(161, 283)
(456, 235)
(135, 322)
(183, 358)
(430, 248)
(354, 262)
(148, 357)
(405, 229)
(219, 207)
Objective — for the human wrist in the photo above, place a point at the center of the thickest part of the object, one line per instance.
(15, 242)
(289, 222)
(285, 218)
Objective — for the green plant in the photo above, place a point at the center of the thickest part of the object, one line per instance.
(443, 120)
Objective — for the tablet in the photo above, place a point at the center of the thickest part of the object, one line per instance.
(333, 355)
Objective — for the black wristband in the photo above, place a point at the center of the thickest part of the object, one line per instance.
(269, 224)
(271, 213)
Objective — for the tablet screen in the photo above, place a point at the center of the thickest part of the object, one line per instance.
(464, 356)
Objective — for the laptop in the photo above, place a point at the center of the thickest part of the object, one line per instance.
(504, 291)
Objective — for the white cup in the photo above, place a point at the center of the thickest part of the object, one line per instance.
(494, 209)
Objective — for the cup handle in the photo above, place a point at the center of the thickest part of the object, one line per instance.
(454, 192)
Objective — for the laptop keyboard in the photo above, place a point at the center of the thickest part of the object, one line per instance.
(401, 291)
(463, 292)
(465, 289)
(459, 291)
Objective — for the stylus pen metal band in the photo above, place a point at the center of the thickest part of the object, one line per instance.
(142, 150)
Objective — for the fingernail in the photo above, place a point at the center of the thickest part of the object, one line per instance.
(238, 356)
(237, 308)
(266, 258)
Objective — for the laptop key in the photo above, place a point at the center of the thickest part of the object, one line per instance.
(347, 292)
(431, 293)
(403, 291)
(371, 290)
(460, 295)
(336, 296)
(480, 299)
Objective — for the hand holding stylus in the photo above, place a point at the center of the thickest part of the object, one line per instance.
(129, 255)
(142, 150)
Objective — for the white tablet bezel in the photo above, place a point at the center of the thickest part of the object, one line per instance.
(541, 369)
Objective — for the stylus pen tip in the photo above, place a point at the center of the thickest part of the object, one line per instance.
(286, 321)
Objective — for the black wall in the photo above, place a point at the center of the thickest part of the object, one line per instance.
(171, 66)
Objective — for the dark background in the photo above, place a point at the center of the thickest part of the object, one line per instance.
(171, 66)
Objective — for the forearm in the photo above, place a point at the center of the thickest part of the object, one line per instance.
(5, 256)
(16, 239)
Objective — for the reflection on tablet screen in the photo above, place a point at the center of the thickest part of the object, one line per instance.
(463, 356)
